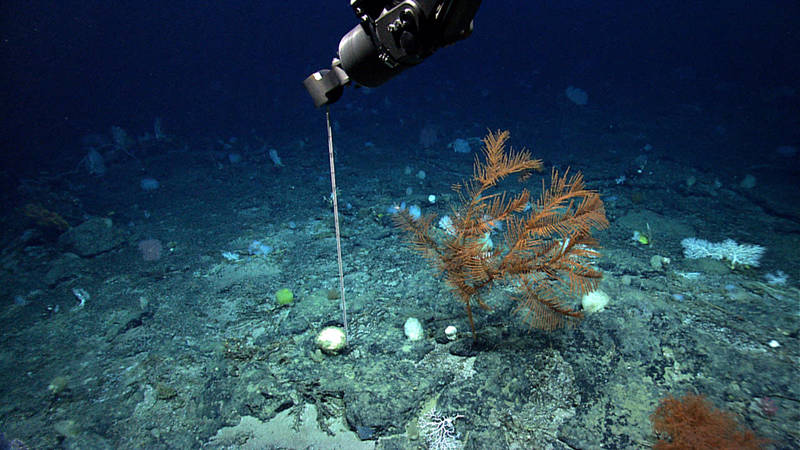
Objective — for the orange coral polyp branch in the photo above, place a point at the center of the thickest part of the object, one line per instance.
(546, 252)
(693, 422)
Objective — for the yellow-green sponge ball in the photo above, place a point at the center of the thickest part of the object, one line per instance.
(284, 296)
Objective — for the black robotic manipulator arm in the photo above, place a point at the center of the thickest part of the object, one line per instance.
(392, 36)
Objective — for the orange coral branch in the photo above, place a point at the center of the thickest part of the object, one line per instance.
(547, 249)
(693, 422)
(45, 218)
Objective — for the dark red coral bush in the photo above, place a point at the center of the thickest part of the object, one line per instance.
(692, 422)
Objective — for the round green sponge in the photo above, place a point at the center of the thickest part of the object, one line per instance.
(284, 296)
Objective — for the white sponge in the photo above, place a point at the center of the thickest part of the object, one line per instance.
(744, 254)
(413, 329)
(595, 301)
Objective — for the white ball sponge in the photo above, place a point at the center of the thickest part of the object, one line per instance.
(413, 329)
(331, 340)
(595, 301)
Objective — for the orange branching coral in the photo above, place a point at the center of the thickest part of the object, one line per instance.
(45, 218)
(692, 422)
(546, 248)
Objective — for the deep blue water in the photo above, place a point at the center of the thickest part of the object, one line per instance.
(138, 275)
(228, 68)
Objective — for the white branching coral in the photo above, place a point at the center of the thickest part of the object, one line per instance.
(439, 431)
(742, 254)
